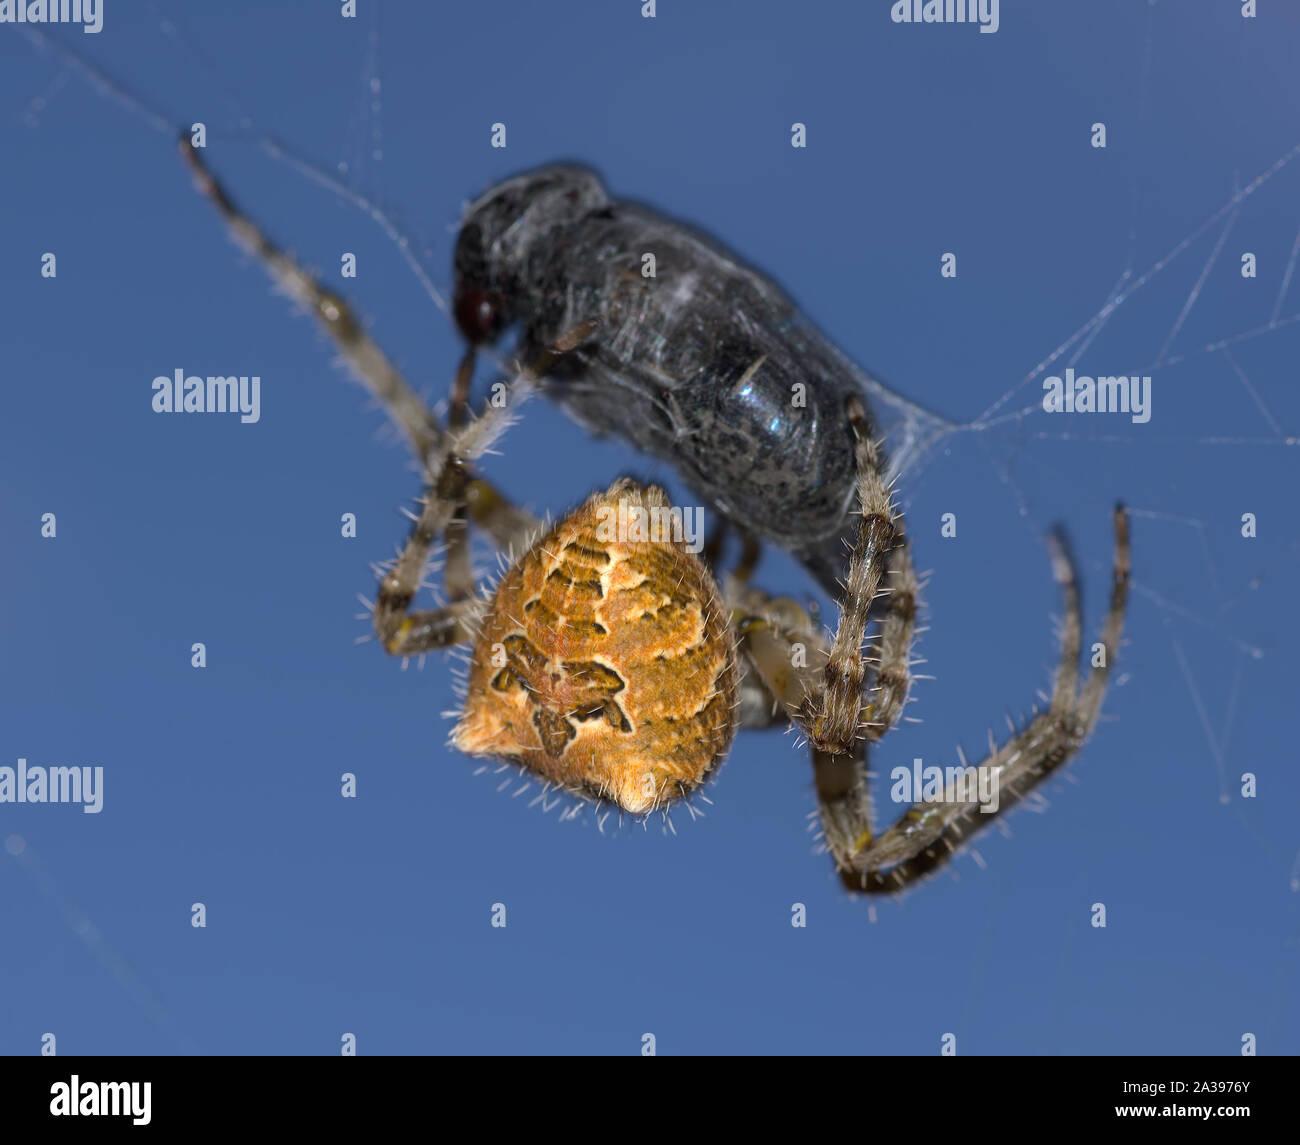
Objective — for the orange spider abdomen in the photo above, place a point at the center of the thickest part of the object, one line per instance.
(605, 662)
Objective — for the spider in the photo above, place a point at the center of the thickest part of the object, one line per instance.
(612, 664)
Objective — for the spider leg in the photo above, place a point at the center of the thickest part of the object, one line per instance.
(502, 520)
(928, 833)
(833, 713)
(458, 574)
(781, 649)
(368, 362)
(786, 656)
(773, 683)
(1094, 688)
(892, 677)
(844, 805)
(401, 632)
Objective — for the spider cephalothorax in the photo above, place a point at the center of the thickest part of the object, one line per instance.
(611, 665)
(605, 664)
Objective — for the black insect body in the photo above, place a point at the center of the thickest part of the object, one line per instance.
(692, 356)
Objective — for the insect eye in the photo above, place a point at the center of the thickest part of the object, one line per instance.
(478, 314)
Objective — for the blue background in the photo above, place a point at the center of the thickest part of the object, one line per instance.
(371, 915)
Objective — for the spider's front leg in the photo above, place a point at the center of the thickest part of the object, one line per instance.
(401, 632)
(504, 522)
(928, 833)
